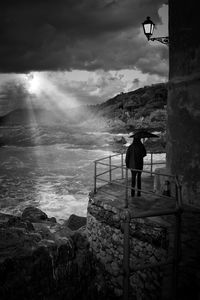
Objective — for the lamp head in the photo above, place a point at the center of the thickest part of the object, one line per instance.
(148, 27)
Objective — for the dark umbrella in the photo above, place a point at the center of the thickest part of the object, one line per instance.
(142, 134)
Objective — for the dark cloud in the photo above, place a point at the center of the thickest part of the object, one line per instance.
(84, 34)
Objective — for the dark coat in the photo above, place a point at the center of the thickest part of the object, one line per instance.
(134, 155)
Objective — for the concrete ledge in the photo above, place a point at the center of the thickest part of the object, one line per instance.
(164, 184)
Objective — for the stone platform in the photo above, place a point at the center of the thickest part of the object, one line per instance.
(114, 194)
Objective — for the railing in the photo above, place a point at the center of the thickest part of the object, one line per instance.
(128, 215)
(112, 167)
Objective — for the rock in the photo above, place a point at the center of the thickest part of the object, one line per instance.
(34, 263)
(16, 222)
(75, 222)
(17, 242)
(34, 214)
(41, 259)
(80, 241)
(52, 220)
(43, 230)
(63, 231)
(119, 139)
(115, 268)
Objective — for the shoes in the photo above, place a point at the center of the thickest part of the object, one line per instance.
(139, 194)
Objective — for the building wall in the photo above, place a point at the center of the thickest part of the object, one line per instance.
(183, 148)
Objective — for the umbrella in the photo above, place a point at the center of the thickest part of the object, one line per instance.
(142, 134)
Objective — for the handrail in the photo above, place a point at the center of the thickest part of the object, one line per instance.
(117, 154)
(139, 170)
(106, 157)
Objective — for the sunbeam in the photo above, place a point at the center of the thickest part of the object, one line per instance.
(34, 83)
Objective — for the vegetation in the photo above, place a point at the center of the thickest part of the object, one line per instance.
(142, 108)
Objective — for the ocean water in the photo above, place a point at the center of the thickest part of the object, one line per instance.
(50, 169)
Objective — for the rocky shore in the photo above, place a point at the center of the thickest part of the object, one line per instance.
(42, 259)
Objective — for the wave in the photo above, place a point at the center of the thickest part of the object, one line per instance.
(33, 136)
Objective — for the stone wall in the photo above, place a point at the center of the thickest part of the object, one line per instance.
(148, 244)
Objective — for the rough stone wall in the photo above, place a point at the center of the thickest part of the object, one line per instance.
(148, 244)
(183, 146)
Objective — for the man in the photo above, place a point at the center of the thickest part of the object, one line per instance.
(134, 160)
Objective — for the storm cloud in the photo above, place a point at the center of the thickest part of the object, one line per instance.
(84, 35)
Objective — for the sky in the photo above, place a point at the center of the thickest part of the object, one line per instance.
(75, 52)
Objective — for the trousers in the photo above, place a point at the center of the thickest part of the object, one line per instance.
(135, 176)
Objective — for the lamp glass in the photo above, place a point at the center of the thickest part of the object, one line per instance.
(148, 27)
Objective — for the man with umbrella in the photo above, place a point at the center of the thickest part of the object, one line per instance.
(134, 159)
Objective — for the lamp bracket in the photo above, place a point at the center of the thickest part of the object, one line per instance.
(162, 39)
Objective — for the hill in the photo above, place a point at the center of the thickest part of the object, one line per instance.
(142, 108)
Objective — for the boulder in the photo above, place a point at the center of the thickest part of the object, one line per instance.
(34, 214)
(75, 222)
(52, 220)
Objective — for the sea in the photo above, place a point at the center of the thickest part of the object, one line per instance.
(52, 167)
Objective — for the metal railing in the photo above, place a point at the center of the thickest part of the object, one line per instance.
(128, 215)
(124, 170)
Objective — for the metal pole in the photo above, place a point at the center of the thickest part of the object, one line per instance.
(176, 193)
(95, 177)
(177, 250)
(110, 175)
(179, 192)
(122, 163)
(151, 163)
(126, 190)
(126, 253)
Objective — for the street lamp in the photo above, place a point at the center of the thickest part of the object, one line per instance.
(148, 27)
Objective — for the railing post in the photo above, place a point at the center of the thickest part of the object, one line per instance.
(110, 171)
(126, 254)
(151, 163)
(95, 177)
(122, 164)
(126, 190)
(177, 239)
